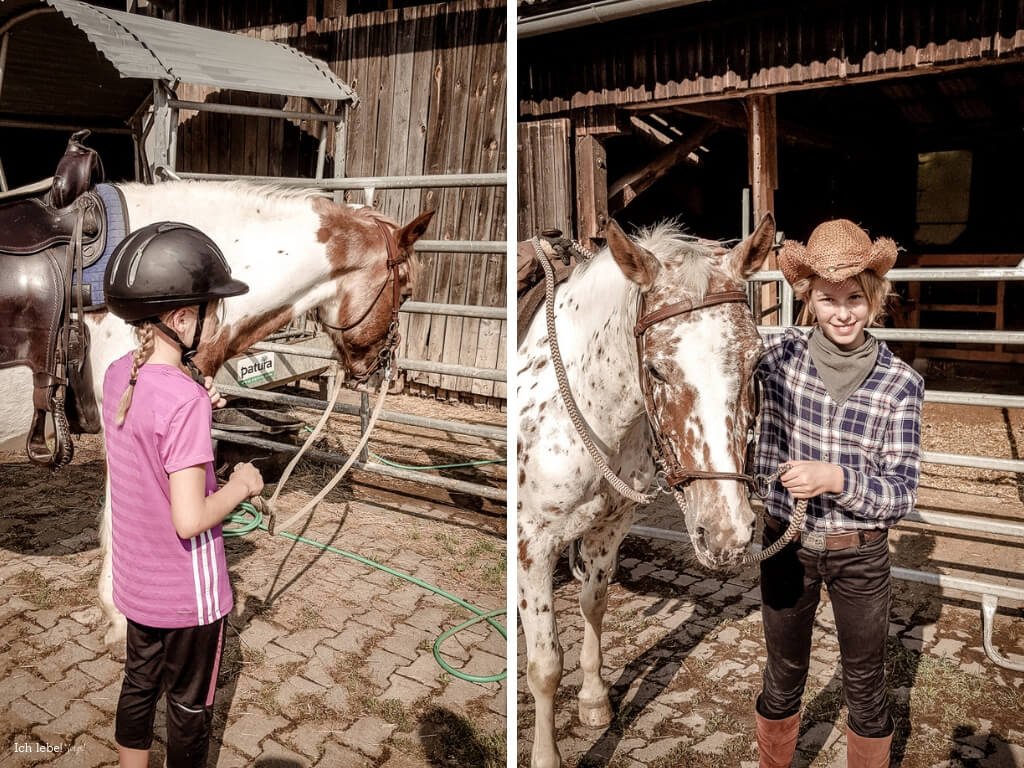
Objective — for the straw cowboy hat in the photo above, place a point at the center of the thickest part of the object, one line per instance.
(836, 250)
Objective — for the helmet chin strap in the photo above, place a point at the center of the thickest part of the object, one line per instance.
(188, 352)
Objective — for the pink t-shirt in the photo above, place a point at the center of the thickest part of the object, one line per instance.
(160, 580)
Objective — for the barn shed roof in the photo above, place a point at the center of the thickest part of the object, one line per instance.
(71, 60)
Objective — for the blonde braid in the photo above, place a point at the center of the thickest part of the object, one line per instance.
(142, 353)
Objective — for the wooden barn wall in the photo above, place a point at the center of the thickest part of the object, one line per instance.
(431, 84)
(716, 49)
(545, 177)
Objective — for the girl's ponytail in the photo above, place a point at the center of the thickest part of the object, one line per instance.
(144, 333)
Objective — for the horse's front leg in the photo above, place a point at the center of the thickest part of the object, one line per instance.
(543, 651)
(599, 550)
(118, 625)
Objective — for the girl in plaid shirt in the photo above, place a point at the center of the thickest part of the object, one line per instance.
(845, 414)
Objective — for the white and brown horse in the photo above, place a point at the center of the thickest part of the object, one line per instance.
(296, 251)
(698, 353)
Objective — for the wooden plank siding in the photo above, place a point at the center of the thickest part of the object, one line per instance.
(725, 49)
(431, 84)
(545, 177)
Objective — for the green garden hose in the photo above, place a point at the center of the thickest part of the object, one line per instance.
(250, 518)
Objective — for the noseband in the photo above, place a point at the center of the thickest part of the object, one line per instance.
(386, 355)
(675, 474)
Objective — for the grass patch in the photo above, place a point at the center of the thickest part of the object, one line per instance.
(311, 708)
(393, 711)
(309, 618)
(266, 698)
(42, 594)
(735, 751)
(447, 542)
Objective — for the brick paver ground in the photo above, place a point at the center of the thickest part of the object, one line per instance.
(327, 661)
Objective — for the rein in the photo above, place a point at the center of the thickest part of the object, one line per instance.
(675, 474)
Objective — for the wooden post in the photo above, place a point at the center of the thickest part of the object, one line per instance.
(763, 172)
(592, 189)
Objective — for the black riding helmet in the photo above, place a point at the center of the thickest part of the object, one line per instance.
(164, 266)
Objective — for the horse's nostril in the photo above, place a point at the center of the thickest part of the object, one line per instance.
(702, 538)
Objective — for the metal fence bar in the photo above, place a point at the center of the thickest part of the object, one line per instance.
(924, 274)
(240, 109)
(973, 398)
(457, 310)
(458, 486)
(928, 334)
(975, 462)
(461, 246)
(966, 523)
(377, 182)
(443, 425)
(489, 374)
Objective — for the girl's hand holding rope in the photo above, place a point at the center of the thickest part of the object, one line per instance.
(807, 479)
(249, 476)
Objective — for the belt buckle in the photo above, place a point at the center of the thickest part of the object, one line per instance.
(813, 540)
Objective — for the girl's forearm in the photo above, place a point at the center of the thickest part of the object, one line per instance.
(213, 509)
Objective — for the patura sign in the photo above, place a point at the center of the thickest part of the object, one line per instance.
(255, 369)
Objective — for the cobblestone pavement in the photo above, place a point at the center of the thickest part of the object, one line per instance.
(327, 661)
(684, 652)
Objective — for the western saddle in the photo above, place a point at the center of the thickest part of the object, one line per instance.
(43, 241)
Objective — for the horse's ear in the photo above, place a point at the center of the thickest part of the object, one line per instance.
(749, 255)
(636, 262)
(414, 230)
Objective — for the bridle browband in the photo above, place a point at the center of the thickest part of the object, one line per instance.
(675, 474)
(387, 353)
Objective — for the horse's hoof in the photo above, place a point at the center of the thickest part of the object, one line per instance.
(597, 713)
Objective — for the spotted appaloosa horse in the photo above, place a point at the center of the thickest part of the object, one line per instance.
(701, 365)
(296, 251)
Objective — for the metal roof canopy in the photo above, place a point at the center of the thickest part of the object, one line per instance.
(74, 63)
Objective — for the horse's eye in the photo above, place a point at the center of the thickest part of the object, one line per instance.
(655, 373)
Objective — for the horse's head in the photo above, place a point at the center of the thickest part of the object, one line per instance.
(697, 357)
(377, 274)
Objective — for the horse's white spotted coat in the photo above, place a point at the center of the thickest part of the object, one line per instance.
(703, 402)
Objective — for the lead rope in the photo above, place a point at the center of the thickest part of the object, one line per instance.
(563, 388)
(269, 506)
(796, 521)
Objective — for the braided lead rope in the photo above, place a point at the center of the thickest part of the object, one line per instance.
(563, 387)
(796, 521)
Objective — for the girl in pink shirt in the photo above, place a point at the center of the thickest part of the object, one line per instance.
(170, 575)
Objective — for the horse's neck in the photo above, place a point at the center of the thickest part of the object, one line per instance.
(269, 242)
(595, 333)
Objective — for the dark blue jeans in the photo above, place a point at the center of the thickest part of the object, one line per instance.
(859, 583)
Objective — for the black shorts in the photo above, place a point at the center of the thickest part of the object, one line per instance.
(183, 663)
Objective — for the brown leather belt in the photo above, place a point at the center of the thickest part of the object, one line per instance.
(820, 542)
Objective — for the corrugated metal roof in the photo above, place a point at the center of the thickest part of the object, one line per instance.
(148, 48)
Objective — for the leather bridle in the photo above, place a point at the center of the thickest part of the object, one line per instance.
(674, 473)
(386, 355)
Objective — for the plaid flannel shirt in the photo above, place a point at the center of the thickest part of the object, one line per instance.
(875, 436)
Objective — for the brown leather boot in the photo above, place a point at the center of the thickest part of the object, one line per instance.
(776, 740)
(862, 752)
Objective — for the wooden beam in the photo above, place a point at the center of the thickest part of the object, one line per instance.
(591, 189)
(626, 189)
(763, 169)
(763, 174)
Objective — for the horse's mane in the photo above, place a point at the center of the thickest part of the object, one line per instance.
(689, 258)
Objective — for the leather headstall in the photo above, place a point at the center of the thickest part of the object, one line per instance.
(387, 352)
(675, 473)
